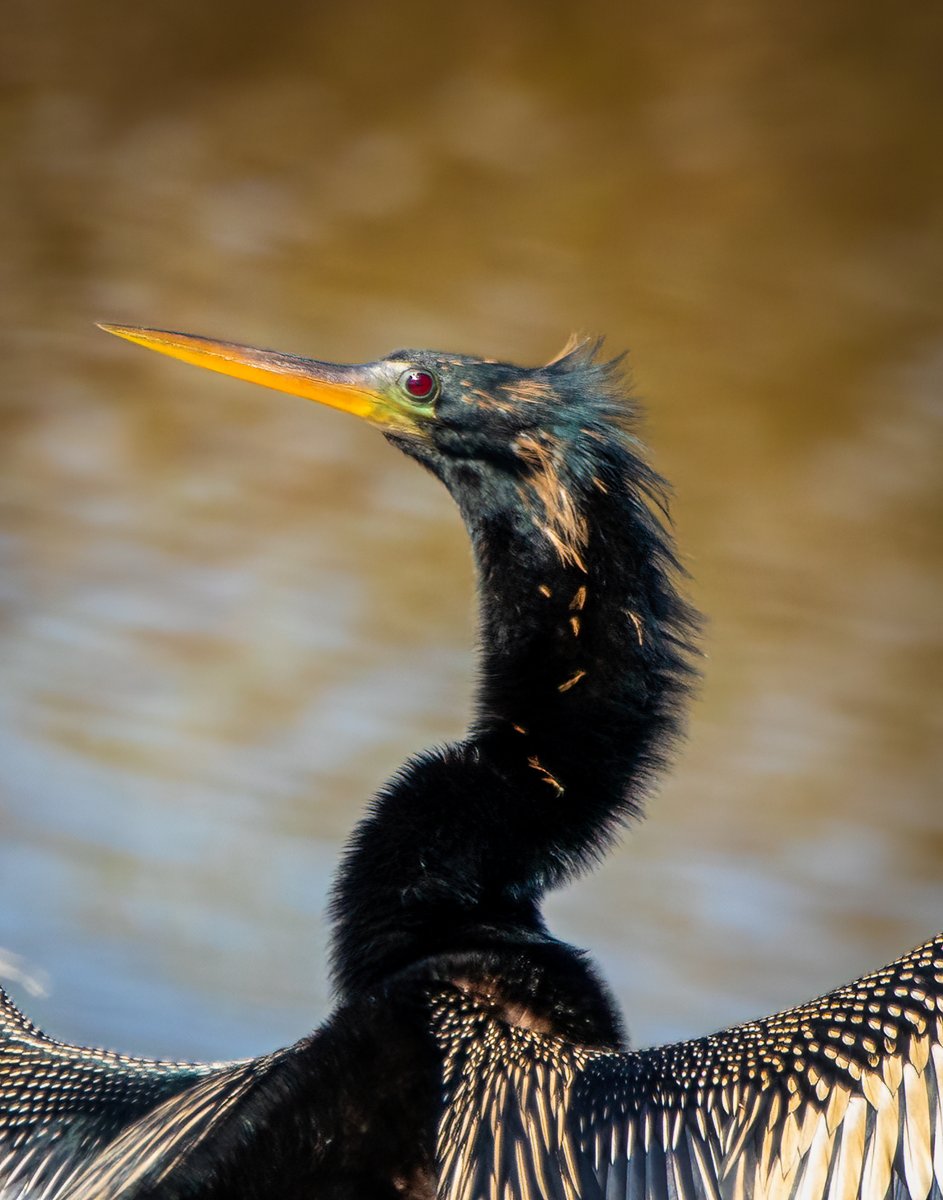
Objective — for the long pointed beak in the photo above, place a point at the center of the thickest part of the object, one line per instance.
(357, 389)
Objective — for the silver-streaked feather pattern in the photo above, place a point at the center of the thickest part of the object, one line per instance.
(838, 1099)
(62, 1105)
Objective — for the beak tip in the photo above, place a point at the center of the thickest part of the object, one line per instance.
(117, 330)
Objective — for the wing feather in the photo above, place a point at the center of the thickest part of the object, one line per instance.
(80, 1124)
(147, 1152)
(918, 1164)
(838, 1099)
(60, 1104)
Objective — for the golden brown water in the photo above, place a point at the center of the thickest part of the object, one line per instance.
(226, 616)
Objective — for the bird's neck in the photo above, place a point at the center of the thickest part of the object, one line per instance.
(579, 675)
(582, 673)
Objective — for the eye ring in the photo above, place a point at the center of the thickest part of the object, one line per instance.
(419, 386)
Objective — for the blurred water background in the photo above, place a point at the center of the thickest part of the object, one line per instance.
(226, 615)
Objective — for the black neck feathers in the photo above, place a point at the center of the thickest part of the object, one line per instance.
(584, 667)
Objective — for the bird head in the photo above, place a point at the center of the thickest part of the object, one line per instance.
(530, 442)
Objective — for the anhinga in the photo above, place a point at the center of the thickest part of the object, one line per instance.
(471, 1054)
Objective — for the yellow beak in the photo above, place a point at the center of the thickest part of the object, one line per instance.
(366, 391)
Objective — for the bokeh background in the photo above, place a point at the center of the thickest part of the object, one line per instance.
(226, 615)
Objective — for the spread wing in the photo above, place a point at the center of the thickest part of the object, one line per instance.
(82, 1124)
(838, 1099)
(60, 1104)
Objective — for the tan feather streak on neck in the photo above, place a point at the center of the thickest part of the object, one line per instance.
(564, 526)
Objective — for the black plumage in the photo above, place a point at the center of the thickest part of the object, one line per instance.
(471, 1053)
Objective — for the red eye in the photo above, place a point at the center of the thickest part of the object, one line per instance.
(419, 385)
